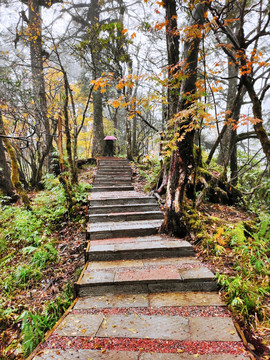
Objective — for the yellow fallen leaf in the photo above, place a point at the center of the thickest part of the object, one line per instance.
(133, 330)
(232, 332)
(196, 355)
(114, 326)
(83, 331)
(180, 350)
(103, 351)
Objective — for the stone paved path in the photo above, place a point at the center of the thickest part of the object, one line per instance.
(141, 296)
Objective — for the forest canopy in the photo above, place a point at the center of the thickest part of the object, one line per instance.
(147, 72)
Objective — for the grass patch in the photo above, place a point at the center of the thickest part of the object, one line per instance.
(29, 253)
(34, 325)
(247, 286)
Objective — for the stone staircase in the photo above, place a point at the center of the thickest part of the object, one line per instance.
(141, 295)
(113, 176)
(125, 253)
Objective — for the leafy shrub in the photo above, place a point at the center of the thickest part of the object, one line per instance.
(45, 254)
(26, 248)
(247, 289)
(35, 325)
(81, 193)
(254, 181)
(24, 273)
(150, 171)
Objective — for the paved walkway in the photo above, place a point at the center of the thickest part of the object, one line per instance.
(141, 296)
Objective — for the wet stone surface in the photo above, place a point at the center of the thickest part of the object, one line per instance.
(113, 301)
(115, 264)
(142, 326)
(172, 261)
(123, 225)
(186, 299)
(98, 276)
(147, 274)
(212, 329)
(79, 325)
(195, 274)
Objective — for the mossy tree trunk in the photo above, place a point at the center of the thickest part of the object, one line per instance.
(5, 180)
(60, 144)
(43, 127)
(72, 168)
(38, 81)
(98, 143)
(15, 177)
(182, 159)
(172, 40)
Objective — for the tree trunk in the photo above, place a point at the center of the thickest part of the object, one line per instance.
(226, 141)
(98, 129)
(72, 169)
(38, 80)
(239, 44)
(172, 39)
(128, 139)
(233, 160)
(257, 113)
(182, 160)
(134, 136)
(15, 178)
(6, 186)
(60, 144)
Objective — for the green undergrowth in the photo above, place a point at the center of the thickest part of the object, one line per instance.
(246, 245)
(150, 171)
(28, 249)
(34, 325)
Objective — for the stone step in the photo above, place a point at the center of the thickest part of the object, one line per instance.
(114, 164)
(114, 184)
(122, 229)
(106, 209)
(157, 326)
(114, 160)
(119, 199)
(127, 216)
(112, 188)
(114, 170)
(114, 174)
(129, 198)
(112, 181)
(137, 248)
(114, 167)
(112, 177)
(145, 275)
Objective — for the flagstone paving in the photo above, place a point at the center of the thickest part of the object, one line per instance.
(141, 295)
